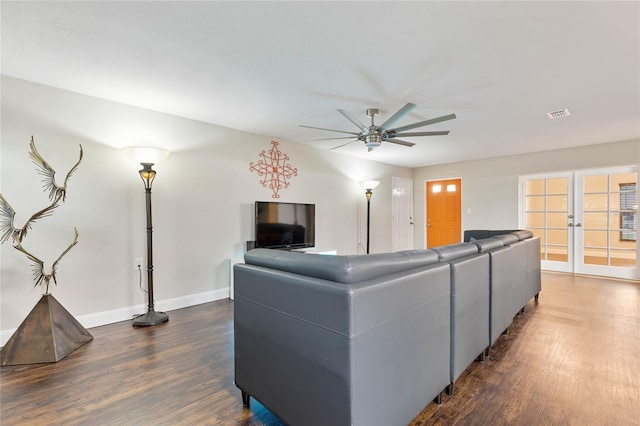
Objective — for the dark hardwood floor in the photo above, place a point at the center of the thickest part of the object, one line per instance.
(573, 358)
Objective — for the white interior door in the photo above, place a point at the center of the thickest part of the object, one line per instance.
(402, 213)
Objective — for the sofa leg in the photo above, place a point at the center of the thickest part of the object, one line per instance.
(449, 389)
(506, 331)
(245, 398)
(487, 351)
(480, 357)
(438, 398)
(536, 296)
(522, 311)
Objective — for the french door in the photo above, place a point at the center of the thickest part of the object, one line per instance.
(587, 221)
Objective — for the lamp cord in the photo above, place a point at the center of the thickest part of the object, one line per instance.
(140, 279)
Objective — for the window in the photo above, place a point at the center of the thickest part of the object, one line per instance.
(628, 211)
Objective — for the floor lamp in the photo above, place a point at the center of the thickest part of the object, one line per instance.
(147, 157)
(369, 186)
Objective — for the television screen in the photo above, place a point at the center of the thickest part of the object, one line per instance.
(285, 225)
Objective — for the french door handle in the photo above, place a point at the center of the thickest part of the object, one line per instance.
(578, 225)
(570, 225)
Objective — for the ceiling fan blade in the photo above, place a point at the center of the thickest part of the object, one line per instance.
(344, 144)
(332, 139)
(424, 123)
(397, 116)
(354, 120)
(330, 130)
(400, 142)
(410, 134)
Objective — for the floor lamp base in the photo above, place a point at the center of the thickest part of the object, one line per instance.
(150, 318)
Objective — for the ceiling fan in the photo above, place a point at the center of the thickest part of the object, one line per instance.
(373, 135)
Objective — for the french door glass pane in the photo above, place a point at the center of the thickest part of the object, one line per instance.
(535, 220)
(596, 184)
(594, 256)
(535, 187)
(621, 179)
(557, 186)
(557, 203)
(557, 220)
(557, 253)
(595, 238)
(597, 220)
(557, 237)
(595, 202)
(610, 219)
(617, 242)
(623, 258)
(535, 203)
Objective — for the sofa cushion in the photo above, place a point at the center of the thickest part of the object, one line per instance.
(478, 234)
(343, 269)
(507, 238)
(455, 251)
(523, 234)
(487, 244)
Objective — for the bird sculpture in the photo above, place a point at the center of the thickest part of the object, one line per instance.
(57, 194)
(39, 274)
(8, 214)
(48, 179)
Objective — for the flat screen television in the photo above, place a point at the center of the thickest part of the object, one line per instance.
(285, 225)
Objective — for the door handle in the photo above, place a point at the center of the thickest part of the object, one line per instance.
(570, 225)
(578, 225)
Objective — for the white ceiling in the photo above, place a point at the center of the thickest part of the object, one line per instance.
(266, 67)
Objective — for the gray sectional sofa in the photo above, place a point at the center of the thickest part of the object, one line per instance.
(372, 339)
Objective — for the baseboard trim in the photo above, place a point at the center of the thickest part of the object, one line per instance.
(123, 314)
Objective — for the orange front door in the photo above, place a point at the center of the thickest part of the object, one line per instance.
(443, 212)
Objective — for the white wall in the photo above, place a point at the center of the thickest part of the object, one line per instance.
(203, 199)
(490, 187)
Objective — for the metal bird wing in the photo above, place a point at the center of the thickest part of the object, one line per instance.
(7, 216)
(54, 268)
(45, 169)
(71, 172)
(38, 265)
(48, 173)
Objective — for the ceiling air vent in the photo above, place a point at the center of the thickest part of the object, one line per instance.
(559, 113)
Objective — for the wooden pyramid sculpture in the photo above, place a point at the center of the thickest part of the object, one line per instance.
(48, 334)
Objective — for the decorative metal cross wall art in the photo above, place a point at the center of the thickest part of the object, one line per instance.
(274, 169)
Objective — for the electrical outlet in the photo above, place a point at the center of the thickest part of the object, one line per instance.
(137, 263)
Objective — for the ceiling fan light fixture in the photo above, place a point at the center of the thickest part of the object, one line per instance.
(373, 140)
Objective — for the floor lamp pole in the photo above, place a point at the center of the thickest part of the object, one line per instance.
(151, 317)
(368, 194)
